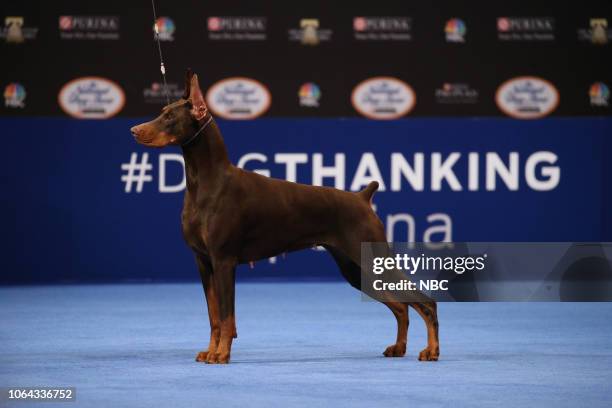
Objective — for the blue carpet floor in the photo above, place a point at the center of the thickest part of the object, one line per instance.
(299, 345)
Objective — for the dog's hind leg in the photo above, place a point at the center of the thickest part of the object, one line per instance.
(206, 273)
(349, 266)
(429, 313)
(374, 232)
(349, 269)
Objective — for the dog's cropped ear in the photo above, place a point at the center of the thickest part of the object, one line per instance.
(188, 76)
(198, 109)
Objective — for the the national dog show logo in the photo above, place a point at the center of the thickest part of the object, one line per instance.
(527, 97)
(91, 98)
(238, 98)
(383, 98)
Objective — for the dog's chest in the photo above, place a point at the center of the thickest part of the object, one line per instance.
(194, 226)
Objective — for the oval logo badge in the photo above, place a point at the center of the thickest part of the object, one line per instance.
(383, 98)
(238, 98)
(91, 98)
(527, 97)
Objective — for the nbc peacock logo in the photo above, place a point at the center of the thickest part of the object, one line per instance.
(599, 94)
(165, 28)
(455, 30)
(309, 95)
(14, 95)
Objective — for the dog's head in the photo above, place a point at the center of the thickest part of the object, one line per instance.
(179, 121)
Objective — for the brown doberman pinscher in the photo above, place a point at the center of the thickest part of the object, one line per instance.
(232, 216)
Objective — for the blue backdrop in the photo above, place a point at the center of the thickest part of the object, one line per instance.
(69, 216)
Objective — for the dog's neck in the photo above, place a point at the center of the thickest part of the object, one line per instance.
(205, 158)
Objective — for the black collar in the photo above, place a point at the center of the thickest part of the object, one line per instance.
(196, 134)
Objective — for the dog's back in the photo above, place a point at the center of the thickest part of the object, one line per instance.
(279, 205)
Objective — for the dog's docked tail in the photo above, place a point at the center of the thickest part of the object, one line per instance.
(368, 192)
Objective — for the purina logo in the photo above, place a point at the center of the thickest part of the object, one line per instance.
(382, 28)
(238, 98)
(15, 31)
(237, 28)
(309, 95)
(526, 28)
(527, 97)
(89, 27)
(455, 30)
(598, 33)
(155, 93)
(310, 32)
(14, 95)
(383, 98)
(165, 28)
(91, 98)
(599, 93)
(456, 93)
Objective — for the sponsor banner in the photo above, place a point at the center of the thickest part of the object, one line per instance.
(89, 27)
(91, 98)
(310, 32)
(382, 28)
(108, 200)
(433, 50)
(237, 28)
(15, 30)
(487, 271)
(597, 33)
(526, 28)
(383, 98)
(527, 97)
(238, 98)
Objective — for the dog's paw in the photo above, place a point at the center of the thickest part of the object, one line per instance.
(201, 357)
(395, 350)
(217, 358)
(211, 358)
(429, 355)
(223, 358)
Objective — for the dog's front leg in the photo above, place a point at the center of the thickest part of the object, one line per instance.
(206, 273)
(225, 284)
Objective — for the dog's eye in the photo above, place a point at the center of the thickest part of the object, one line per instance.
(168, 117)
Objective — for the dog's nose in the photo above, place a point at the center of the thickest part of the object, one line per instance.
(134, 131)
